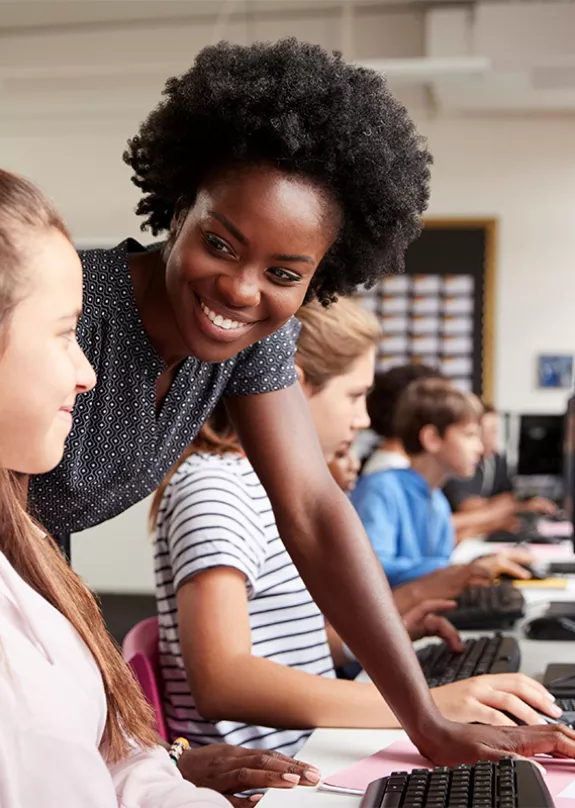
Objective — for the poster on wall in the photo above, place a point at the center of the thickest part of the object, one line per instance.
(555, 371)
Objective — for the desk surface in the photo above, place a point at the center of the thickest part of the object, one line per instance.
(334, 749)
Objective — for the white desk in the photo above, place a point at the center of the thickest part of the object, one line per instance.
(334, 749)
(331, 750)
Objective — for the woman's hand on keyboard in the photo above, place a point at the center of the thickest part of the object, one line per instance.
(451, 743)
(496, 699)
(421, 621)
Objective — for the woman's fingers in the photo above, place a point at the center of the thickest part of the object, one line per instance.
(554, 739)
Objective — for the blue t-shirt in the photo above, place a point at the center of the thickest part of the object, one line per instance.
(408, 524)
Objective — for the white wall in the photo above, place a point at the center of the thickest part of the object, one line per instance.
(519, 170)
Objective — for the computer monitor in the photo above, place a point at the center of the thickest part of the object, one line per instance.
(540, 450)
(569, 463)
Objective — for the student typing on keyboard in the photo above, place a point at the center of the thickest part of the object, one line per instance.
(489, 492)
(405, 514)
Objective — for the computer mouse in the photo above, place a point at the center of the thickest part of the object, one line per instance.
(551, 627)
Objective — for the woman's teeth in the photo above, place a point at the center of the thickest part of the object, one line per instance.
(217, 319)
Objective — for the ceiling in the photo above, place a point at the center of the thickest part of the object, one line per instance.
(460, 56)
(16, 15)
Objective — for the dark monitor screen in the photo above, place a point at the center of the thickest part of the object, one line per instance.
(569, 461)
(540, 445)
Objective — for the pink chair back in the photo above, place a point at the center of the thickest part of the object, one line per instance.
(141, 650)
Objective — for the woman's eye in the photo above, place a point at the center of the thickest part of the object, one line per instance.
(216, 243)
(284, 275)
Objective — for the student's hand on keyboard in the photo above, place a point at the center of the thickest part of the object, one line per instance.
(231, 769)
(487, 698)
(421, 621)
(451, 743)
(507, 563)
(449, 582)
(539, 505)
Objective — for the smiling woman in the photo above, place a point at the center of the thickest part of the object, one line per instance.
(242, 259)
(280, 174)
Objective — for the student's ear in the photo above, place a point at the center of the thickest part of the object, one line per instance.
(430, 439)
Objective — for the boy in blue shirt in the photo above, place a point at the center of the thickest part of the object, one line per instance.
(405, 513)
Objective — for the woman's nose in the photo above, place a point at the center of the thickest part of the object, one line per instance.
(240, 289)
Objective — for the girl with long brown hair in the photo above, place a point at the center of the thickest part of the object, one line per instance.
(75, 729)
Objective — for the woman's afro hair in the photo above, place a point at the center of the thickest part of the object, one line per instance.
(308, 113)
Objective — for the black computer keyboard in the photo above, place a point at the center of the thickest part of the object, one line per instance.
(560, 568)
(506, 784)
(490, 607)
(496, 654)
(568, 707)
(528, 531)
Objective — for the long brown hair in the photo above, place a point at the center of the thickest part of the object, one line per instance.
(36, 558)
(217, 436)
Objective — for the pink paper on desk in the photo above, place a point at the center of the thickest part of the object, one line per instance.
(563, 530)
(403, 756)
(545, 552)
(541, 552)
(551, 552)
(399, 756)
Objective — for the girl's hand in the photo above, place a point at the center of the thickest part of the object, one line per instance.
(539, 505)
(421, 621)
(230, 769)
(488, 698)
(506, 563)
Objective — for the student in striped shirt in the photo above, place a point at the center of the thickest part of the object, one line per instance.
(245, 653)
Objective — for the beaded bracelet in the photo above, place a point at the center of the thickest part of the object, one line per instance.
(177, 749)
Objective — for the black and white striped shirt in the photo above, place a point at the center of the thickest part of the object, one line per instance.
(216, 513)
